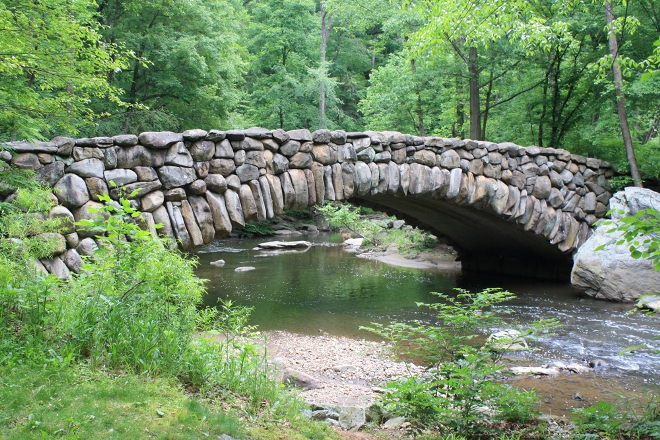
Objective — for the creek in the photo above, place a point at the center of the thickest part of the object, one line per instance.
(327, 289)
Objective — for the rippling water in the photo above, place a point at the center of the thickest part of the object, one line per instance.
(327, 289)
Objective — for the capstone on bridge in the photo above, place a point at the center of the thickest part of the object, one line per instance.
(506, 208)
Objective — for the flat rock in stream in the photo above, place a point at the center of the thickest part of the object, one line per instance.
(284, 245)
(539, 371)
(244, 269)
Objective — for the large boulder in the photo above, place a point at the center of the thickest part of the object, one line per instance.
(611, 273)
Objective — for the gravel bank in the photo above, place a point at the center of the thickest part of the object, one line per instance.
(345, 371)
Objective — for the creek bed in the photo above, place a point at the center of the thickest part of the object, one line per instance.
(328, 290)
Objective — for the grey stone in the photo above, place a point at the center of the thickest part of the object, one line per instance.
(258, 200)
(338, 137)
(87, 247)
(161, 216)
(224, 150)
(301, 160)
(175, 195)
(82, 153)
(190, 222)
(146, 174)
(216, 135)
(64, 145)
(179, 226)
(83, 213)
(51, 173)
(120, 176)
(279, 164)
(66, 219)
(321, 136)
(222, 166)
(110, 158)
(57, 267)
(198, 187)
(281, 136)
(450, 160)
(194, 134)
(290, 148)
(125, 140)
(367, 155)
(248, 204)
(201, 169)
(73, 260)
(172, 176)
(140, 156)
(234, 209)
(216, 183)
(152, 201)
(96, 187)
(178, 155)
(202, 150)
(160, 139)
(71, 191)
(247, 172)
(276, 193)
(87, 168)
(255, 158)
(221, 221)
(239, 157)
(324, 154)
(542, 187)
(233, 182)
(302, 135)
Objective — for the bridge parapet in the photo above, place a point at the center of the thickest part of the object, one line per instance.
(203, 184)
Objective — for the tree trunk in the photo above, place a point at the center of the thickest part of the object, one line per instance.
(326, 24)
(420, 110)
(475, 105)
(620, 96)
(457, 128)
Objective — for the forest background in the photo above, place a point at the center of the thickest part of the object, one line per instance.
(534, 72)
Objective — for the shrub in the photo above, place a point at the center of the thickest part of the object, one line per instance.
(458, 391)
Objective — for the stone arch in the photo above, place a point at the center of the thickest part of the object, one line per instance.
(508, 208)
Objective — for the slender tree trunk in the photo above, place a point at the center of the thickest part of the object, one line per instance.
(620, 96)
(475, 105)
(489, 93)
(326, 24)
(457, 129)
(420, 110)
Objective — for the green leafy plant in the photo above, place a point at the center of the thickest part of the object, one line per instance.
(260, 229)
(458, 390)
(640, 232)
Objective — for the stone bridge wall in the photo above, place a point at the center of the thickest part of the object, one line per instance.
(201, 185)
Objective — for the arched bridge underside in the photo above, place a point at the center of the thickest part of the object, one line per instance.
(506, 208)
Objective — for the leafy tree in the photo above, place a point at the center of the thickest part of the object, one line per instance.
(53, 60)
(187, 69)
(284, 46)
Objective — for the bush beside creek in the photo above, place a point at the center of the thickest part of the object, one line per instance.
(124, 349)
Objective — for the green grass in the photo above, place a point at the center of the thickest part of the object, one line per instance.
(75, 403)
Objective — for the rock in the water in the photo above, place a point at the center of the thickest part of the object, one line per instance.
(611, 273)
(284, 244)
(507, 340)
(354, 242)
(650, 301)
(244, 269)
(218, 263)
(541, 371)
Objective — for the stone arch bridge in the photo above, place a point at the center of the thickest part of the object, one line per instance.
(506, 208)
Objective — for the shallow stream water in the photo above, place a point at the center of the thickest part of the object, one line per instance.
(327, 289)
